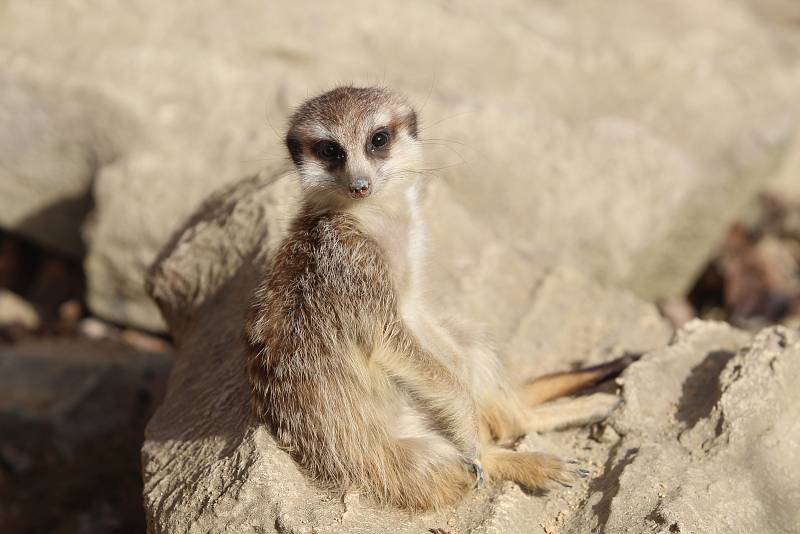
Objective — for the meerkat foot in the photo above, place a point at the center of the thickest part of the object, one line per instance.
(579, 411)
(534, 469)
(565, 473)
(578, 468)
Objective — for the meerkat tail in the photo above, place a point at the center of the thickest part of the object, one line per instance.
(531, 469)
(580, 411)
(553, 386)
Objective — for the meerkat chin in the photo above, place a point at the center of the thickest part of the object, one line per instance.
(356, 376)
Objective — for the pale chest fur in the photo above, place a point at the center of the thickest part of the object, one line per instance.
(396, 226)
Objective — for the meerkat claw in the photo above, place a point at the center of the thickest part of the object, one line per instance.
(575, 470)
(475, 467)
(579, 468)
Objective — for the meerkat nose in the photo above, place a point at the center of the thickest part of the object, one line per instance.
(359, 188)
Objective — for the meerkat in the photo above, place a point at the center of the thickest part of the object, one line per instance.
(359, 380)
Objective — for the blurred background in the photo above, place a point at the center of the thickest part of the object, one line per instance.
(649, 145)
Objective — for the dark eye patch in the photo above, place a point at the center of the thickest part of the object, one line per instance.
(295, 149)
(329, 151)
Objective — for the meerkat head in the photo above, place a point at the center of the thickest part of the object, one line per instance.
(354, 142)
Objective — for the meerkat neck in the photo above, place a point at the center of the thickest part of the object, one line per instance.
(395, 224)
(380, 212)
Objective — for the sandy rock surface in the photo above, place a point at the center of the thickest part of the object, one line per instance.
(603, 134)
(709, 439)
(208, 466)
(787, 183)
(704, 442)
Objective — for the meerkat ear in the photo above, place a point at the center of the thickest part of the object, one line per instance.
(411, 123)
(295, 149)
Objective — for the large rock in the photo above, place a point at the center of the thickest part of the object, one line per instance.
(709, 439)
(53, 140)
(786, 185)
(706, 440)
(72, 416)
(618, 136)
(210, 467)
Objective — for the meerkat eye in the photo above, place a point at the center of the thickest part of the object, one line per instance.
(329, 150)
(380, 139)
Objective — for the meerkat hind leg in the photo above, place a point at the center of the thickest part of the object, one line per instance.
(531, 469)
(553, 386)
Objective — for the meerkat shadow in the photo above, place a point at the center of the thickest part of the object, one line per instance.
(534, 492)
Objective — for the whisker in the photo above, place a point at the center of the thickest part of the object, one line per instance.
(430, 93)
(458, 154)
(447, 118)
(443, 167)
(437, 140)
(447, 144)
(407, 173)
(280, 175)
(272, 127)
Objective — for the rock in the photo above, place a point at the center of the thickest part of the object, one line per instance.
(16, 310)
(786, 186)
(703, 442)
(55, 138)
(72, 416)
(709, 439)
(619, 138)
(209, 467)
